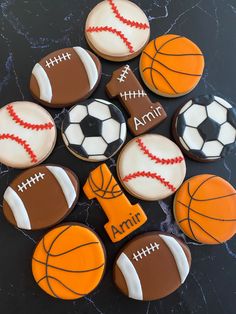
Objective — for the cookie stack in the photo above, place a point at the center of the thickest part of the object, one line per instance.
(69, 261)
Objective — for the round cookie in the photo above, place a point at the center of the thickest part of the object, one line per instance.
(94, 130)
(151, 167)
(117, 30)
(69, 262)
(205, 128)
(171, 65)
(204, 208)
(27, 134)
(65, 77)
(40, 197)
(152, 266)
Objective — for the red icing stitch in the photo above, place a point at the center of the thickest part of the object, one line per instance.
(124, 20)
(151, 175)
(97, 29)
(26, 125)
(21, 142)
(157, 160)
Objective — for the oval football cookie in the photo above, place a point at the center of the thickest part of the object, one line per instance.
(204, 208)
(40, 197)
(94, 130)
(117, 30)
(151, 266)
(27, 134)
(65, 77)
(171, 65)
(69, 262)
(205, 128)
(151, 167)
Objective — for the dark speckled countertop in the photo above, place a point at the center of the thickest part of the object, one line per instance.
(31, 29)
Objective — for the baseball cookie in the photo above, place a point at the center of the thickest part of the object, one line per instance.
(152, 266)
(151, 167)
(117, 30)
(65, 77)
(27, 134)
(205, 128)
(123, 217)
(204, 208)
(94, 130)
(171, 65)
(40, 197)
(144, 115)
(69, 261)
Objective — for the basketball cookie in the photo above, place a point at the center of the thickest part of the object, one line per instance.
(27, 134)
(124, 218)
(65, 77)
(205, 128)
(171, 65)
(69, 262)
(94, 130)
(40, 197)
(117, 30)
(151, 167)
(204, 208)
(152, 266)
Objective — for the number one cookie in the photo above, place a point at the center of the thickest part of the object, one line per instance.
(144, 115)
(123, 217)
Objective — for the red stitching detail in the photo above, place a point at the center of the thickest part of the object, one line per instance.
(124, 20)
(157, 160)
(97, 29)
(149, 175)
(21, 142)
(26, 125)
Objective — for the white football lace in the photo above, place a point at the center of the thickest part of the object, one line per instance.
(53, 61)
(124, 74)
(144, 252)
(134, 94)
(30, 181)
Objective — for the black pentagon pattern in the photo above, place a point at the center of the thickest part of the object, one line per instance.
(91, 126)
(209, 130)
(204, 100)
(78, 149)
(116, 114)
(113, 147)
(181, 125)
(231, 116)
(66, 122)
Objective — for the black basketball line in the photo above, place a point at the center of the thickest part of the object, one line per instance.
(165, 43)
(116, 192)
(107, 187)
(180, 55)
(100, 168)
(151, 70)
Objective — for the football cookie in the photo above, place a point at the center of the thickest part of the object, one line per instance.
(27, 134)
(94, 130)
(65, 77)
(151, 266)
(171, 65)
(69, 262)
(40, 197)
(151, 167)
(144, 115)
(117, 30)
(205, 128)
(123, 217)
(204, 208)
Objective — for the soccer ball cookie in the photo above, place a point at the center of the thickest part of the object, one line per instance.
(94, 130)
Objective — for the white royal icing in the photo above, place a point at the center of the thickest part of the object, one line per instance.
(18, 208)
(65, 183)
(179, 256)
(131, 277)
(43, 83)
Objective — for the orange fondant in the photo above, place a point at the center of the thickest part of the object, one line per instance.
(69, 262)
(123, 217)
(205, 210)
(171, 65)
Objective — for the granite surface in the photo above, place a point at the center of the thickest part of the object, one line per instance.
(31, 29)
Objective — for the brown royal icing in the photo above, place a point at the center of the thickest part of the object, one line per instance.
(144, 115)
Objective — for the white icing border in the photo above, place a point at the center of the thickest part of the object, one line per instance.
(43, 83)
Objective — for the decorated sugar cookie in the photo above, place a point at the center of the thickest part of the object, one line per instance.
(205, 128)
(40, 197)
(123, 217)
(204, 209)
(144, 115)
(65, 77)
(171, 65)
(151, 266)
(151, 167)
(69, 262)
(27, 134)
(94, 130)
(117, 30)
